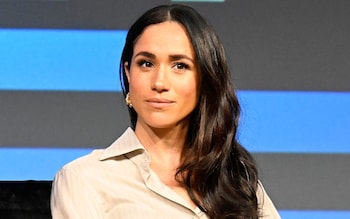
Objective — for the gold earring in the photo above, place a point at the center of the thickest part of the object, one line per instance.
(128, 101)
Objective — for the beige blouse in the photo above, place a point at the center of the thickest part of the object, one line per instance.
(117, 182)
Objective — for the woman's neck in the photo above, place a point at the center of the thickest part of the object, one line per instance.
(162, 142)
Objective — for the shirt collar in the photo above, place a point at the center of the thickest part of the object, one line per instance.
(126, 143)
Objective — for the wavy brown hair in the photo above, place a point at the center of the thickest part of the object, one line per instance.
(219, 174)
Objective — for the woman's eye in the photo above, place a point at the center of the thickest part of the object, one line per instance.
(145, 64)
(181, 65)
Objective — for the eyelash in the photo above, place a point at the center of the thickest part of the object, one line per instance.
(181, 65)
(144, 63)
(147, 64)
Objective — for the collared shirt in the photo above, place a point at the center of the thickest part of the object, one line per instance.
(117, 182)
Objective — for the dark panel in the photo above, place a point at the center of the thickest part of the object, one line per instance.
(61, 119)
(72, 14)
(289, 45)
(25, 199)
(306, 181)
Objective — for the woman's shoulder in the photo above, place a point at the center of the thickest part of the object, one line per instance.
(83, 163)
(98, 158)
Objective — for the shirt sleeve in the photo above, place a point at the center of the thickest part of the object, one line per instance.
(265, 205)
(72, 197)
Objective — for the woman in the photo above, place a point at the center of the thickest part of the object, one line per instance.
(180, 158)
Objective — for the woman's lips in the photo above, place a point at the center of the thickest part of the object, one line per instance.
(159, 102)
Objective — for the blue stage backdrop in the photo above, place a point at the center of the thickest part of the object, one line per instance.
(60, 95)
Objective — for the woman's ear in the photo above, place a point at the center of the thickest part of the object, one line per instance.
(127, 70)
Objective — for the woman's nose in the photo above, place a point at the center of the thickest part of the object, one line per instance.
(160, 81)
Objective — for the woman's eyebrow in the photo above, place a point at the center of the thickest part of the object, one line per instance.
(180, 56)
(146, 54)
(172, 57)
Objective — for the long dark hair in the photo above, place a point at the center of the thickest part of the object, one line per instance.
(218, 173)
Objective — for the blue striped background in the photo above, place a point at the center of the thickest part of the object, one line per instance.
(60, 59)
(313, 214)
(296, 122)
(71, 60)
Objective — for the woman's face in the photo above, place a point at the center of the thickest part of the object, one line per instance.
(163, 76)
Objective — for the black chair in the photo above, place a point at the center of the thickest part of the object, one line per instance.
(25, 199)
